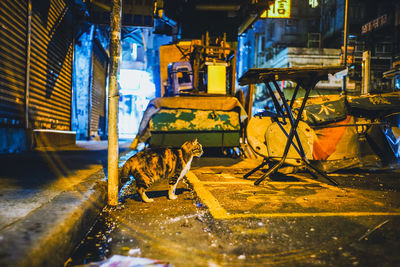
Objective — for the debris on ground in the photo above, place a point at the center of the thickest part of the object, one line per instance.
(128, 261)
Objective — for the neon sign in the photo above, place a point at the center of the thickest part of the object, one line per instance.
(279, 9)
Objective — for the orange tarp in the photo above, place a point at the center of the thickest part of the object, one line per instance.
(327, 140)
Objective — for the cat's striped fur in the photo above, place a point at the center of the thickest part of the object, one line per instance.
(151, 165)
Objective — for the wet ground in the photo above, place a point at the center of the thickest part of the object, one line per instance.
(221, 219)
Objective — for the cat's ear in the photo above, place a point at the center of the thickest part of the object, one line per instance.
(186, 143)
(195, 141)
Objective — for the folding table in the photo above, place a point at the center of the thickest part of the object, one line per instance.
(305, 77)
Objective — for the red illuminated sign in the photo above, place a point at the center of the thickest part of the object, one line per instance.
(374, 24)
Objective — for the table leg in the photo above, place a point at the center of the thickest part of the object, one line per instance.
(315, 171)
(279, 164)
(293, 133)
(293, 122)
(265, 162)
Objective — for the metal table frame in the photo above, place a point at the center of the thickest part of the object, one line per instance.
(305, 77)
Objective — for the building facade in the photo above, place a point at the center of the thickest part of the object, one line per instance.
(36, 54)
(287, 42)
(314, 36)
(373, 40)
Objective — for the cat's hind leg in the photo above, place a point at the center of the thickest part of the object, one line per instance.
(143, 195)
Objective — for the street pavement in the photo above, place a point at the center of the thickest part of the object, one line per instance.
(222, 219)
(49, 198)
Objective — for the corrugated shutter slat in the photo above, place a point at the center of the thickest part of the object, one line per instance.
(13, 17)
(51, 68)
(98, 91)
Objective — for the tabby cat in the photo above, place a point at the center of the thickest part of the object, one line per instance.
(149, 166)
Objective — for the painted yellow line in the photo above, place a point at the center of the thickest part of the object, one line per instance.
(252, 183)
(227, 182)
(216, 210)
(311, 214)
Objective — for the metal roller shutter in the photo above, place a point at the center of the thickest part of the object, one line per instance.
(13, 24)
(51, 65)
(98, 91)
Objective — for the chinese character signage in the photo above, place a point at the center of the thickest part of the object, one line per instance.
(279, 9)
(374, 24)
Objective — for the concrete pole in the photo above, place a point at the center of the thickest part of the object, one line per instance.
(366, 72)
(113, 98)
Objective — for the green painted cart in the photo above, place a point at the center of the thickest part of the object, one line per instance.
(216, 121)
(213, 128)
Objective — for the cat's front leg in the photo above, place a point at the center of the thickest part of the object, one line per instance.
(172, 187)
(143, 195)
(171, 192)
(174, 180)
